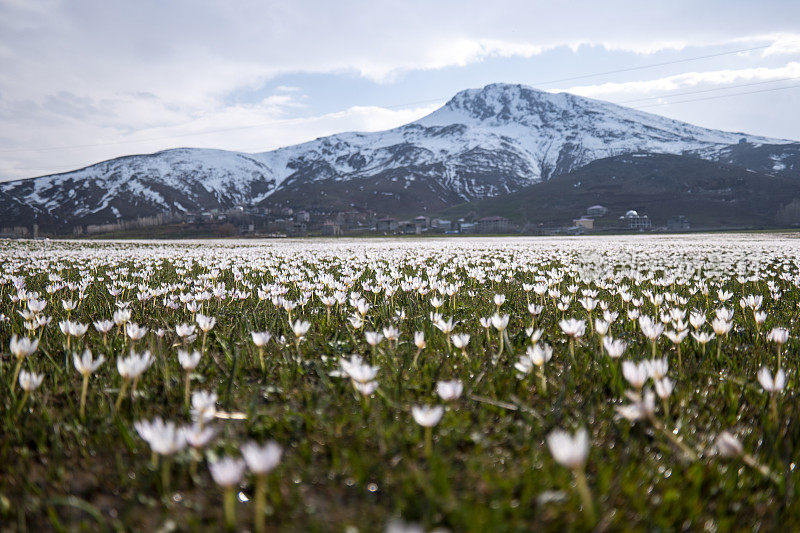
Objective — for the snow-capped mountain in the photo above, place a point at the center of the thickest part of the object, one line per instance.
(482, 143)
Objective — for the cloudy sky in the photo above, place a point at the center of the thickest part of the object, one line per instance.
(83, 81)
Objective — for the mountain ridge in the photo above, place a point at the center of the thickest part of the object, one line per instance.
(481, 143)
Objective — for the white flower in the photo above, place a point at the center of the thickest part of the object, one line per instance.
(664, 387)
(184, 330)
(198, 436)
(204, 405)
(227, 472)
(357, 370)
(365, 388)
(30, 381)
(165, 438)
(22, 347)
(419, 340)
(615, 348)
(703, 337)
(636, 374)
(373, 338)
(103, 326)
(391, 333)
(427, 416)
(188, 360)
(657, 368)
(300, 328)
(720, 326)
(573, 327)
(499, 299)
(121, 316)
(728, 446)
(205, 323)
(641, 407)
(134, 365)
(449, 390)
(260, 338)
(778, 335)
(568, 450)
(261, 459)
(499, 322)
(134, 331)
(601, 327)
(768, 383)
(539, 354)
(461, 340)
(85, 364)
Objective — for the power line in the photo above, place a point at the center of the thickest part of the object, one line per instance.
(396, 106)
(718, 96)
(706, 90)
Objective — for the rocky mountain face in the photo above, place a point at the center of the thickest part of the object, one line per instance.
(481, 144)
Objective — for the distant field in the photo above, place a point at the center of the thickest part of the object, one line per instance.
(401, 384)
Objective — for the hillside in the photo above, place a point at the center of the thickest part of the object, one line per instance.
(661, 186)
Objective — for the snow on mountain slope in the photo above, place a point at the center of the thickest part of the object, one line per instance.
(482, 143)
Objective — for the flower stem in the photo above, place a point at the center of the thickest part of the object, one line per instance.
(428, 442)
(84, 390)
(229, 503)
(585, 493)
(121, 394)
(259, 524)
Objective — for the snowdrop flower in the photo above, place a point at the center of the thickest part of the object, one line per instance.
(30, 381)
(366, 389)
(261, 460)
(721, 327)
(356, 322)
(568, 450)
(134, 331)
(21, 347)
(188, 360)
(572, 327)
(657, 368)
(427, 416)
(391, 333)
(500, 322)
(357, 370)
(572, 451)
(499, 300)
(779, 336)
(184, 330)
(103, 326)
(697, 319)
(636, 374)
(300, 328)
(449, 390)
(260, 339)
(198, 436)
(227, 473)
(86, 365)
(121, 316)
(664, 387)
(205, 323)
(769, 383)
(461, 341)
(373, 338)
(728, 446)
(204, 406)
(614, 348)
(642, 407)
(419, 340)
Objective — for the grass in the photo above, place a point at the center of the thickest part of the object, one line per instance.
(358, 461)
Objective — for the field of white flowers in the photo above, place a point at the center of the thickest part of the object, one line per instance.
(452, 384)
